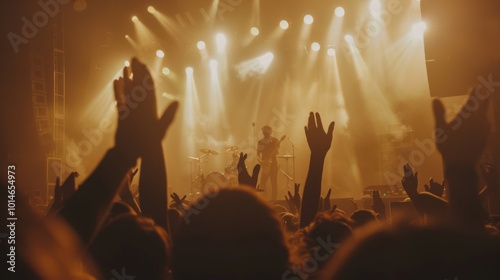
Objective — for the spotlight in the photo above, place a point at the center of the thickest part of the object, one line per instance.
(349, 39)
(267, 58)
(126, 36)
(339, 12)
(151, 9)
(254, 31)
(127, 63)
(189, 70)
(201, 45)
(165, 71)
(315, 46)
(284, 24)
(331, 51)
(213, 63)
(419, 28)
(308, 19)
(160, 53)
(135, 18)
(221, 42)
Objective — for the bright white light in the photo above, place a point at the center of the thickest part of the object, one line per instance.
(151, 9)
(201, 45)
(339, 12)
(165, 71)
(160, 53)
(284, 24)
(419, 28)
(315, 46)
(349, 39)
(255, 67)
(331, 51)
(254, 31)
(308, 19)
(127, 63)
(135, 18)
(375, 8)
(213, 63)
(221, 42)
(267, 58)
(189, 70)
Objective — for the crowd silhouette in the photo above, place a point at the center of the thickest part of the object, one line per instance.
(100, 231)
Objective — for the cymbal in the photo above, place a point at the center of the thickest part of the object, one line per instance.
(196, 159)
(209, 152)
(232, 149)
(286, 156)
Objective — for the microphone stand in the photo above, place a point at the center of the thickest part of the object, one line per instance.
(293, 159)
(254, 161)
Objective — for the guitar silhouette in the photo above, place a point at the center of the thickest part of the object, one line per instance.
(265, 164)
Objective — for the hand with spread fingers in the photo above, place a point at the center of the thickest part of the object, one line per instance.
(434, 187)
(318, 139)
(138, 124)
(243, 177)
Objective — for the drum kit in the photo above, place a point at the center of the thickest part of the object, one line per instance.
(213, 180)
(201, 183)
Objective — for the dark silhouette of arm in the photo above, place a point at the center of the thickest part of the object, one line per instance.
(319, 143)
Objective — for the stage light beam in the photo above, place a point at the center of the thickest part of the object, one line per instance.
(255, 67)
(135, 18)
(160, 54)
(189, 71)
(165, 71)
(221, 42)
(213, 64)
(151, 9)
(418, 28)
(375, 8)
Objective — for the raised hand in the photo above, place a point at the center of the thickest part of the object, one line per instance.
(296, 195)
(57, 203)
(462, 140)
(319, 143)
(291, 206)
(68, 187)
(435, 188)
(326, 202)
(138, 124)
(321, 205)
(178, 202)
(318, 140)
(461, 143)
(243, 177)
(378, 204)
(410, 181)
